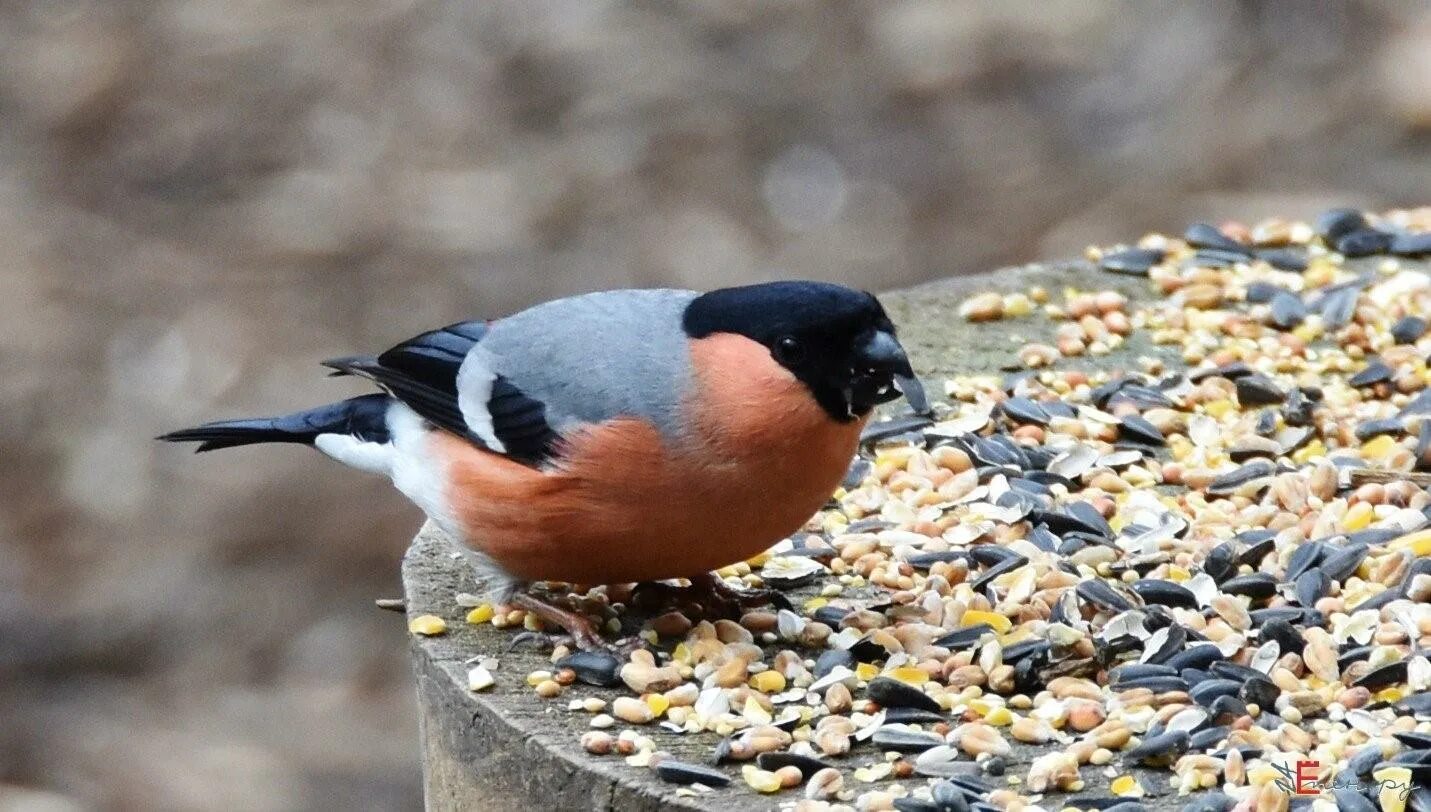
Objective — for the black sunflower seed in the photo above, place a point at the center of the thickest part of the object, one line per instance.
(909, 803)
(1284, 259)
(1132, 262)
(923, 561)
(1102, 596)
(1298, 409)
(1227, 669)
(1214, 801)
(1231, 481)
(1091, 519)
(1205, 692)
(1159, 750)
(904, 740)
(1004, 567)
(1311, 586)
(1338, 306)
(593, 667)
(1257, 550)
(895, 427)
(1262, 292)
(1219, 258)
(1206, 235)
(1287, 614)
(1414, 741)
(681, 772)
(1368, 429)
(1352, 655)
(1226, 709)
(1408, 328)
(1139, 430)
(1221, 561)
(1304, 558)
(807, 765)
(1288, 638)
(1164, 593)
(1363, 243)
(1260, 691)
(1373, 373)
(1209, 737)
(891, 693)
(1043, 539)
(1199, 656)
(1133, 671)
(1351, 800)
(1158, 685)
(1383, 677)
(990, 451)
(1258, 390)
(912, 716)
(1411, 245)
(1166, 644)
(1423, 446)
(1340, 563)
(830, 658)
(1258, 586)
(1416, 703)
(1364, 760)
(1024, 410)
(1287, 310)
(1027, 648)
(1031, 487)
(1333, 224)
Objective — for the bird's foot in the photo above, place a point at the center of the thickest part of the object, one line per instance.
(708, 596)
(579, 627)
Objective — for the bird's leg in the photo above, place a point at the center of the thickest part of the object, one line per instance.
(710, 593)
(583, 632)
(741, 599)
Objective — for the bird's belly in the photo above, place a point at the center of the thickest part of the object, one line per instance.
(653, 516)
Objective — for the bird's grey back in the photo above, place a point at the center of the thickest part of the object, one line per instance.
(598, 356)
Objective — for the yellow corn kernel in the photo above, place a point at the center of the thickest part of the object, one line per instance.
(1217, 408)
(1308, 452)
(1395, 786)
(1358, 517)
(1418, 543)
(760, 780)
(1378, 447)
(866, 671)
(480, 614)
(768, 682)
(996, 621)
(658, 703)
(1126, 786)
(427, 625)
(999, 717)
(911, 675)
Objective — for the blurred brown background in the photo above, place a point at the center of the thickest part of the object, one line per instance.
(199, 199)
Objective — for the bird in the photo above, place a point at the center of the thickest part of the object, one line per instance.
(632, 436)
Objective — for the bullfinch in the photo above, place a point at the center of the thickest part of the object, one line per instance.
(615, 437)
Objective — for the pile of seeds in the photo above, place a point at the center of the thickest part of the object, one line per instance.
(1078, 589)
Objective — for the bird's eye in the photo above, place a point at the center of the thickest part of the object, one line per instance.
(788, 350)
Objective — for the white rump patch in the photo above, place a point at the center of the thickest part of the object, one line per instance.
(414, 470)
(364, 455)
(474, 389)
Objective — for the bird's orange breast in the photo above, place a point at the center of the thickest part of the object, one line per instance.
(624, 504)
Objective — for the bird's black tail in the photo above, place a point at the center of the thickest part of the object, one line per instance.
(361, 417)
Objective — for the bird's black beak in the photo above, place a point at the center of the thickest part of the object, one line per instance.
(882, 357)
